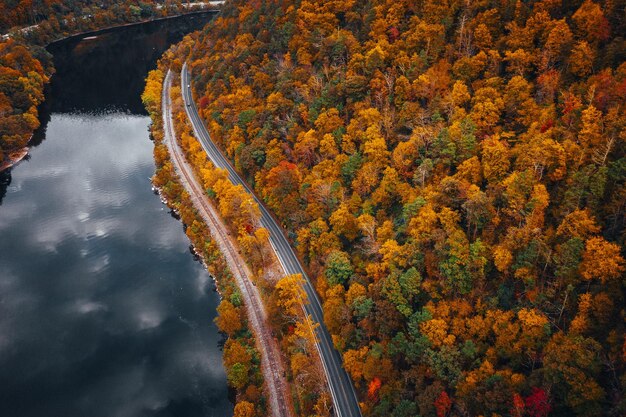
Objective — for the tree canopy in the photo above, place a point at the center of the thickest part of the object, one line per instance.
(453, 174)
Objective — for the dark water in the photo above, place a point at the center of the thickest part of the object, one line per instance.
(103, 311)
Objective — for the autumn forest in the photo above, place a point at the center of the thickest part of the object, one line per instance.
(452, 173)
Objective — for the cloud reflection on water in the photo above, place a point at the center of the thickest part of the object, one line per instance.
(102, 310)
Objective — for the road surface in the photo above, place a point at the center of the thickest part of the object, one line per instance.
(271, 363)
(342, 391)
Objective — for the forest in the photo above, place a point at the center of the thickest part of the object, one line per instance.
(452, 174)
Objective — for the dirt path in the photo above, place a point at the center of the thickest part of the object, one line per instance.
(271, 363)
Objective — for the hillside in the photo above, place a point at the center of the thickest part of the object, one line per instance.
(453, 176)
(56, 13)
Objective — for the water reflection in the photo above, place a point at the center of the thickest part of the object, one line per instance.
(103, 312)
(5, 181)
(118, 83)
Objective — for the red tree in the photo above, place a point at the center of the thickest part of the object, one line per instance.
(538, 403)
(443, 403)
(372, 389)
(518, 406)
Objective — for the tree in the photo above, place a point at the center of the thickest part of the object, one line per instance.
(487, 106)
(538, 403)
(443, 403)
(228, 319)
(344, 223)
(306, 148)
(338, 268)
(336, 313)
(591, 23)
(280, 188)
(151, 96)
(291, 295)
(495, 159)
(463, 264)
(353, 363)
(534, 332)
(581, 59)
(519, 61)
(601, 260)
(517, 410)
(375, 147)
(244, 409)
(590, 135)
(557, 44)
(405, 408)
(572, 364)
(237, 375)
(402, 290)
(235, 352)
(373, 388)
(578, 224)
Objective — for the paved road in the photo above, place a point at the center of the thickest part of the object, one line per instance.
(271, 362)
(341, 388)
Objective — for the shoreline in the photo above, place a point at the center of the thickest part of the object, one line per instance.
(272, 365)
(96, 32)
(11, 159)
(170, 204)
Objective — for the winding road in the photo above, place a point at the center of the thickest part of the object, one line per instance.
(271, 363)
(342, 391)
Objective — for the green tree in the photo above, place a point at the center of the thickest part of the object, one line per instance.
(338, 268)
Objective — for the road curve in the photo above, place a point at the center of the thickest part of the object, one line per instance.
(342, 391)
(271, 362)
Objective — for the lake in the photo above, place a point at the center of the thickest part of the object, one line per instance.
(103, 309)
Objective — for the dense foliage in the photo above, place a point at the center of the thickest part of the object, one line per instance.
(452, 173)
(22, 79)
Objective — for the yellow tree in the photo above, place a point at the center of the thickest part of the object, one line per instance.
(495, 159)
(244, 409)
(229, 318)
(601, 260)
(581, 59)
(535, 330)
(336, 313)
(353, 361)
(151, 96)
(344, 223)
(291, 296)
(235, 352)
(578, 223)
(487, 105)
